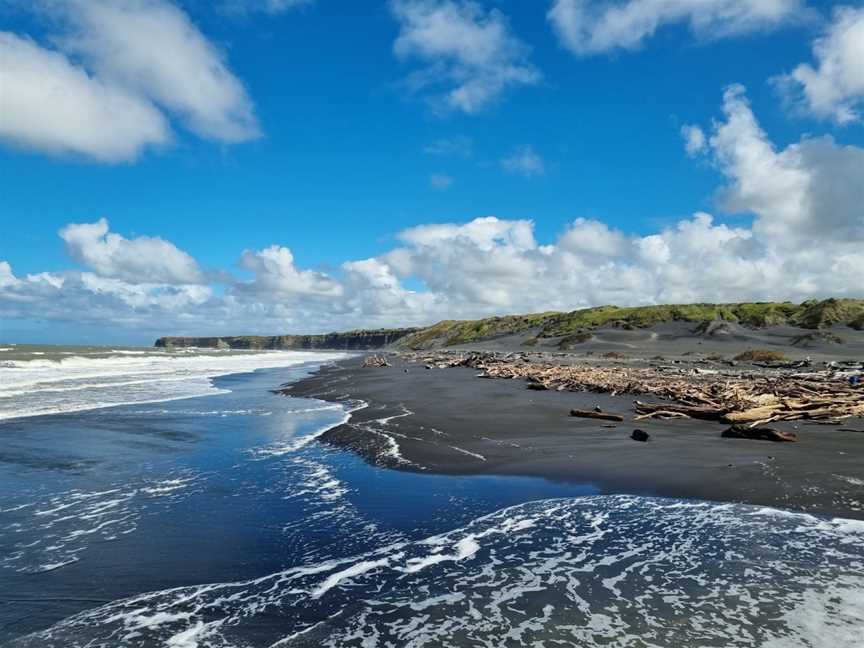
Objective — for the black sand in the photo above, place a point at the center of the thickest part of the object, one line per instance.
(460, 424)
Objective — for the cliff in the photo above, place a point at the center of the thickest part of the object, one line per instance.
(349, 340)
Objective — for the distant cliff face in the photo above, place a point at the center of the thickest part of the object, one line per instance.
(349, 341)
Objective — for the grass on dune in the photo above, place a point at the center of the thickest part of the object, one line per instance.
(576, 326)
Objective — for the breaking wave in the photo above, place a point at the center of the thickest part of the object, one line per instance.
(36, 386)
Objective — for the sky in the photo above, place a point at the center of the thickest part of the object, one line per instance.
(172, 167)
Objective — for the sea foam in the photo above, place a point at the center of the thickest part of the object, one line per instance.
(593, 571)
(37, 386)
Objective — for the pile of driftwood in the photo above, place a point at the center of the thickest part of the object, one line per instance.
(743, 398)
(375, 361)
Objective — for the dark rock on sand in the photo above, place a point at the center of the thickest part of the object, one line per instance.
(640, 435)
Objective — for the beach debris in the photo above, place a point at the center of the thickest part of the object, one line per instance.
(758, 433)
(605, 416)
(375, 360)
(640, 435)
(746, 396)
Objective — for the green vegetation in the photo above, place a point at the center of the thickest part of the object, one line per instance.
(572, 327)
(466, 331)
(760, 355)
(819, 314)
(568, 342)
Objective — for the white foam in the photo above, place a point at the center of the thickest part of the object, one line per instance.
(608, 571)
(851, 480)
(38, 387)
(65, 524)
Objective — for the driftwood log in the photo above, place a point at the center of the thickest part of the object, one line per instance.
(759, 433)
(375, 361)
(604, 416)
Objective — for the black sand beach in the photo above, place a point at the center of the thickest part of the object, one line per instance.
(449, 421)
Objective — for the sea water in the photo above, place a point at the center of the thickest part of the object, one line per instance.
(153, 498)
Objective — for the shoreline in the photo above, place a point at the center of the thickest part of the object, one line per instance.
(447, 421)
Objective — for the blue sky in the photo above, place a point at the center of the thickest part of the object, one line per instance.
(347, 155)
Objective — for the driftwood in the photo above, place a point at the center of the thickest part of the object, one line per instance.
(749, 397)
(375, 361)
(759, 433)
(596, 415)
(689, 411)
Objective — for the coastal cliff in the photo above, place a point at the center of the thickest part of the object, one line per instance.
(349, 340)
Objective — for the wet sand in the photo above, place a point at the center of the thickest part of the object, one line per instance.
(449, 421)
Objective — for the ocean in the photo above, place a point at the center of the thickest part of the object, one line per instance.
(171, 499)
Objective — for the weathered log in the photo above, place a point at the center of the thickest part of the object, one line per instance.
(758, 433)
(660, 414)
(750, 415)
(693, 411)
(375, 361)
(605, 416)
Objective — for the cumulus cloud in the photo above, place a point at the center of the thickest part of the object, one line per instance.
(470, 54)
(143, 259)
(804, 239)
(524, 161)
(595, 26)
(811, 191)
(694, 139)
(276, 274)
(151, 47)
(114, 69)
(6, 277)
(52, 105)
(834, 88)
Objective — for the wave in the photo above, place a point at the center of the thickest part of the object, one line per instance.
(35, 387)
(594, 571)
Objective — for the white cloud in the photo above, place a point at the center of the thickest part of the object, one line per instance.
(151, 47)
(835, 87)
(140, 260)
(49, 104)
(6, 277)
(694, 139)
(524, 161)
(440, 181)
(596, 26)
(808, 193)
(470, 53)
(114, 66)
(593, 238)
(806, 240)
(276, 274)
